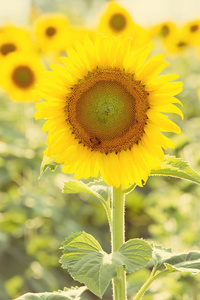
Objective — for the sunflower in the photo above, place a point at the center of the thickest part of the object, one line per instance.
(104, 110)
(177, 43)
(19, 74)
(164, 30)
(13, 39)
(116, 21)
(51, 32)
(192, 31)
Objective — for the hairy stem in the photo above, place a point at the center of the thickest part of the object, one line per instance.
(118, 239)
(149, 281)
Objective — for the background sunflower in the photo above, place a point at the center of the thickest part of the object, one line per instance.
(20, 73)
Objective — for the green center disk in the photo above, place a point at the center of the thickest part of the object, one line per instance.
(106, 110)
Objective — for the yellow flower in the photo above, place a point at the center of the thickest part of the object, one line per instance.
(13, 39)
(163, 30)
(116, 21)
(104, 110)
(178, 42)
(19, 74)
(174, 39)
(51, 32)
(192, 32)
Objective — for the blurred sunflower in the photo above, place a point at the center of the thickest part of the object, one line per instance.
(13, 39)
(116, 21)
(177, 43)
(19, 74)
(164, 31)
(192, 31)
(52, 32)
(104, 110)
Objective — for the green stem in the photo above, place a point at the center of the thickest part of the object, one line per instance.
(118, 239)
(146, 285)
(130, 189)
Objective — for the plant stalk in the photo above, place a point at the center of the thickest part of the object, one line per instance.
(117, 240)
(150, 280)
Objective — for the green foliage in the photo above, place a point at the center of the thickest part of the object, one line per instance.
(89, 264)
(67, 294)
(75, 186)
(48, 162)
(176, 167)
(182, 262)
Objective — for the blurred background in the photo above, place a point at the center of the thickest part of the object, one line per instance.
(35, 216)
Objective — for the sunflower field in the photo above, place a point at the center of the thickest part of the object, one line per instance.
(93, 106)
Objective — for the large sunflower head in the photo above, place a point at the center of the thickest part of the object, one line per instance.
(116, 21)
(52, 31)
(104, 110)
(19, 74)
(14, 39)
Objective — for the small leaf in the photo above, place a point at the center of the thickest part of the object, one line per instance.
(48, 162)
(89, 264)
(183, 262)
(76, 186)
(176, 167)
(68, 294)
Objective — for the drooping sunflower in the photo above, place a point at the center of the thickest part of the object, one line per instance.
(51, 32)
(19, 74)
(104, 110)
(14, 39)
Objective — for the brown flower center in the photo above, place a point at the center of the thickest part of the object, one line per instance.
(118, 22)
(7, 48)
(106, 111)
(50, 31)
(23, 77)
(194, 28)
(181, 44)
(165, 30)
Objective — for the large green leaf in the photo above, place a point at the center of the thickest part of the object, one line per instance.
(89, 264)
(76, 186)
(176, 167)
(67, 294)
(183, 262)
(48, 162)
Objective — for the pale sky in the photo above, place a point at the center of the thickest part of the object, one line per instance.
(144, 12)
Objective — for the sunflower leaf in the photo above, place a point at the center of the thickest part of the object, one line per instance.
(176, 167)
(76, 186)
(89, 264)
(182, 262)
(73, 293)
(48, 162)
